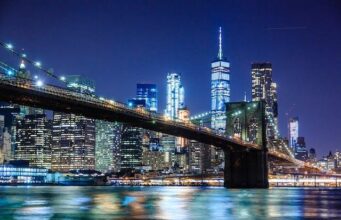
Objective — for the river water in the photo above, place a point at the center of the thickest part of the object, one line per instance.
(79, 202)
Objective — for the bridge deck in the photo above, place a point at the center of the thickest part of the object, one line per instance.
(25, 92)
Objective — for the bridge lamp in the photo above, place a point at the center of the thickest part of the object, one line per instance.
(37, 64)
(35, 77)
(39, 83)
(10, 72)
(24, 55)
(62, 78)
(9, 46)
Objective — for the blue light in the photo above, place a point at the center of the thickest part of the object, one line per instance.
(10, 72)
(39, 83)
(37, 64)
(9, 46)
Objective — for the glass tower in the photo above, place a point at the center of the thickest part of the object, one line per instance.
(175, 95)
(293, 132)
(148, 92)
(220, 89)
(264, 89)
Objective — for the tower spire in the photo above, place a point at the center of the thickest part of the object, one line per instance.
(220, 53)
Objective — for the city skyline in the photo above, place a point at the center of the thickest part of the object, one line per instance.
(316, 137)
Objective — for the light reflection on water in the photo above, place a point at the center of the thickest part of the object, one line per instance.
(79, 202)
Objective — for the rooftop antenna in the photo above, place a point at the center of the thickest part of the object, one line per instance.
(220, 53)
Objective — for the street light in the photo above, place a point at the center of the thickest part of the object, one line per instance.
(9, 46)
(37, 64)
(10, 72)
(39, 83)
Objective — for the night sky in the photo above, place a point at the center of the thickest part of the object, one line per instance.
(121, 43)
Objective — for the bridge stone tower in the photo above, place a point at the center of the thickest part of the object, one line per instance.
(246, 167)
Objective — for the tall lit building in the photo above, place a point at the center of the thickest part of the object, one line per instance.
(34, 140)
(148, 92)
(220, 89)
(5, 146)
(264, 89)
(108, 138)
(131, 148)
(73, 136)
(199, 157)
(175, 95)
(11, 114)
(293, 132)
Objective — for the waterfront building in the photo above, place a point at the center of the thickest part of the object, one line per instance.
(220, 89)
(175, 96)
(148, 93)
(22, 174)
(264, 89)
(293, 131)
(107, 150)
(34, 140)
(73, 136)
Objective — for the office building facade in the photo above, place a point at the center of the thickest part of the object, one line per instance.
(34, 140)
(148, 93)
(107, 151)
(264, 89)
(73, 136)
(175, 95)
(220, 89)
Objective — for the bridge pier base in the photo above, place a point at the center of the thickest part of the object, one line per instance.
(246, 169)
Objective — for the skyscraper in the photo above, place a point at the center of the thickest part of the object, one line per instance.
(148, 92)
(73, 136)
(131, 147)
(34, 140)
(108, 138)
(293, 132)
(220, 89)
(264, 89)
(175, 95)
